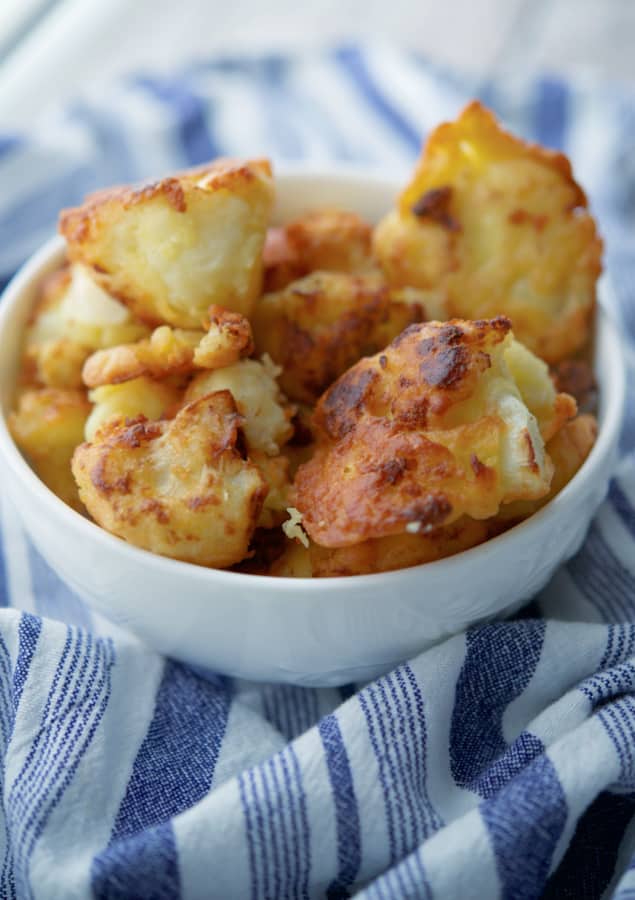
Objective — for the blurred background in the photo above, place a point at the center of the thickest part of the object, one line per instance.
(51, 48)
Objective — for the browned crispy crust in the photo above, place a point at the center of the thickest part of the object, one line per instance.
(179, 487)
(79, 224)
(170, 248)
(320, 325)
(491, 224)
(333, 240)
(409, 438)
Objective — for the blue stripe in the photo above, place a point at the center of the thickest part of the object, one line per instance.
(83, 737)
(523, 855)
(392, 744)
(608, 656)
(37, 746)
(284, 837)
(29, 631)
(64, 717)
(499, 663)
(551, 112)
(9, 143)
(261, 842)
(621, 716)
(621, 582)
(416, 746)
(77, 714)
(53, 597)
(183, 743)
(8, 707)
(587, 572)
(379, 756)
(192, 118)
(295, 826)
(304, 820)
(249, 834)
(349, 853)
(143, 866)
(353, 63)
(272, 815)
(413, 736)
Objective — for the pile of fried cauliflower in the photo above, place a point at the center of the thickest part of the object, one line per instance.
(323, 397)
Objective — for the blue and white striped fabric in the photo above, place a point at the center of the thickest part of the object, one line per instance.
(500, 763)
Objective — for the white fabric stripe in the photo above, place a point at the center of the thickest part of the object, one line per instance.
(556, 673)
(582, 774)
(248, 740)
(204, 836)
(459, 861)
(353, 117)
(410, 90)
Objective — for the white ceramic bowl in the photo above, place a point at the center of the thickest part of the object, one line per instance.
(322, 631)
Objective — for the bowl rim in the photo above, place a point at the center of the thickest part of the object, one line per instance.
(46, 258)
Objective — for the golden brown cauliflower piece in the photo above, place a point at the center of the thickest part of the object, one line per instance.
(432, 429)
(140, 397)
(72, 318)
(255, 390)
(179, 488)
(493, 225)
(173, 351)
(333, 240)
(170, 249)
(319, 326)
(168, 351)
(397, 551)
(47, 426)
(228, 338)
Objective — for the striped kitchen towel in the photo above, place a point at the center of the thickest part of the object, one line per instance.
(499, 763)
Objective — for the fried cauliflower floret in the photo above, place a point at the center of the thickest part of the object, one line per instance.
(173, 351)
(398, 551)
(47, 426)
(568, 449)
(170, 249)
(139, 397)
(432, 429)
(494, 225)
(228, 338)
(73, 318)
(333, 240)
(319, 326)
(179, 487)
(168, 351)
(255, 390)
